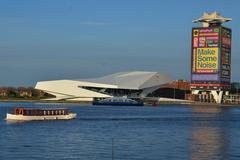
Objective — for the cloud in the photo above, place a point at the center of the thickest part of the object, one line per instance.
(94, 23)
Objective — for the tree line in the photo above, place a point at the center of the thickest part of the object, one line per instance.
(22, 92)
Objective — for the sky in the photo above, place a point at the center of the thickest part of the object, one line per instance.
(74, 39)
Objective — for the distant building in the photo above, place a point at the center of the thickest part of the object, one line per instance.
(128, 84)
(4, 92)
(176, 89)
(180, 84)
(231, 99)
(25, 92)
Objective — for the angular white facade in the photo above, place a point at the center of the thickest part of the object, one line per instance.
(130, 84)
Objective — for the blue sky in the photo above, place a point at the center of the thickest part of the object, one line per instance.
(72, 39)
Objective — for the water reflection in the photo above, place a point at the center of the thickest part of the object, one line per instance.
(209, 136)
(176, 132)
(209, 109)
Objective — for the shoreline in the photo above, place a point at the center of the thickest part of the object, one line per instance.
(193, 104)
(43, 101)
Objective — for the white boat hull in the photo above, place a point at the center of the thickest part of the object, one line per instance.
(39, 118)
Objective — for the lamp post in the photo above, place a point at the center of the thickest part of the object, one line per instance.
(237, 89)
(237, 97)
(174, 92)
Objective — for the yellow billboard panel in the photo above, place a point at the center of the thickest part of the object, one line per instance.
(207, 60)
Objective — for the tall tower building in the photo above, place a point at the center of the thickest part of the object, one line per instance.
(211, 57)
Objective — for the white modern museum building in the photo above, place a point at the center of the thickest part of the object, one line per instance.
(135, 84)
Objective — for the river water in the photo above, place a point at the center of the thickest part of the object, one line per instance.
(124, 132)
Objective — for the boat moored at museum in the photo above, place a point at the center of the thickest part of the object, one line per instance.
(30, 114)
(118, 101)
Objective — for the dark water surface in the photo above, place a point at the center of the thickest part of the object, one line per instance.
(139, 133)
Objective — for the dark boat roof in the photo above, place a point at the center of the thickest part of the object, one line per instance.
(41, 108)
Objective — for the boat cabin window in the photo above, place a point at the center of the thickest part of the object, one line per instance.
(20, 111)
(39, 112)
(27, 112)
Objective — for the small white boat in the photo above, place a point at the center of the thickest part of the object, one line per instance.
(30, 114)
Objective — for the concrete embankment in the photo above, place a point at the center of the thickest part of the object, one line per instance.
(163, 101)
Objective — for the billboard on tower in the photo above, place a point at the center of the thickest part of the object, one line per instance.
(211, 58)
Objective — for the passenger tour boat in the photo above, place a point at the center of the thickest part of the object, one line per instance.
(29, 114)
